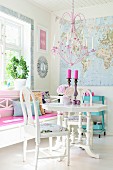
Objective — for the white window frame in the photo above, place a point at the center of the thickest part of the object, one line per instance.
(9, 46)
(10, 23)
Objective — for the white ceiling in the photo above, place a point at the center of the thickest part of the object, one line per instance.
(57, 5)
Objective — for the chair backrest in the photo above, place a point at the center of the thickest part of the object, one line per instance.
(84, 91)
(26, 96)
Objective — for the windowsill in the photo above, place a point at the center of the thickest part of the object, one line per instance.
(9, 93)
(7, 88)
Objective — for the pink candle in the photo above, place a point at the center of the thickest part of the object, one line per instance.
(69, 73)
(76, 74)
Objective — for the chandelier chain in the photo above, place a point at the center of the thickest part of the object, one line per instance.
(72, 6)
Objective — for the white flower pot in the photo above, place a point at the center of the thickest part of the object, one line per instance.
(19, 83)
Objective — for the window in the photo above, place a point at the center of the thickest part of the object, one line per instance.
(0, 62)
(13, 42)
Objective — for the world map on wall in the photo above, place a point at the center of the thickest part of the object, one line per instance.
(97, 68)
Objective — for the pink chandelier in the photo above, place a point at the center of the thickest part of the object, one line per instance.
(73, 46)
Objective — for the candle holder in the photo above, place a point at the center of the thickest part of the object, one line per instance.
(75, 93)
(69, 81)
(75, 101)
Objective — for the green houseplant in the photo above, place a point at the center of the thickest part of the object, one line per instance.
(18, 70)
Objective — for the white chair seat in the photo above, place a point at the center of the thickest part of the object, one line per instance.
(76, 118)
(48, 127)
(46, 130)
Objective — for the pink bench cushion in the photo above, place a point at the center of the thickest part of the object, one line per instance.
(4, 121)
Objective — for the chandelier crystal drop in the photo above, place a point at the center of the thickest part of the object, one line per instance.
(73, 46)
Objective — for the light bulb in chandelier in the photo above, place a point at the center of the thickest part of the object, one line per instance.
(72, 46)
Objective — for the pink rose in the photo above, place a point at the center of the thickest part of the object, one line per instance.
(61, 89)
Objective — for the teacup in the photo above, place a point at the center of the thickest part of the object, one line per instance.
(65, 100)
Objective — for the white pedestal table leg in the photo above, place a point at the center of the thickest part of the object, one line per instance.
(88, 136)
(80, 130)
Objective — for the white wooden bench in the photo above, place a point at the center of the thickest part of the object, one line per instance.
(11, 128)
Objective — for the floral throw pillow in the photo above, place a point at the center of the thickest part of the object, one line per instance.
(45, 97)
(38, 96)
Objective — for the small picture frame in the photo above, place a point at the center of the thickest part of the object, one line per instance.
(42, 39)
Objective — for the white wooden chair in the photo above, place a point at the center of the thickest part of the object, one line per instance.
(78, 119)
(39, 130)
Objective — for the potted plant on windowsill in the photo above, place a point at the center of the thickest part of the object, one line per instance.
(18, 70)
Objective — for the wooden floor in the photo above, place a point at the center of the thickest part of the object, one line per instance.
(11, 157)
